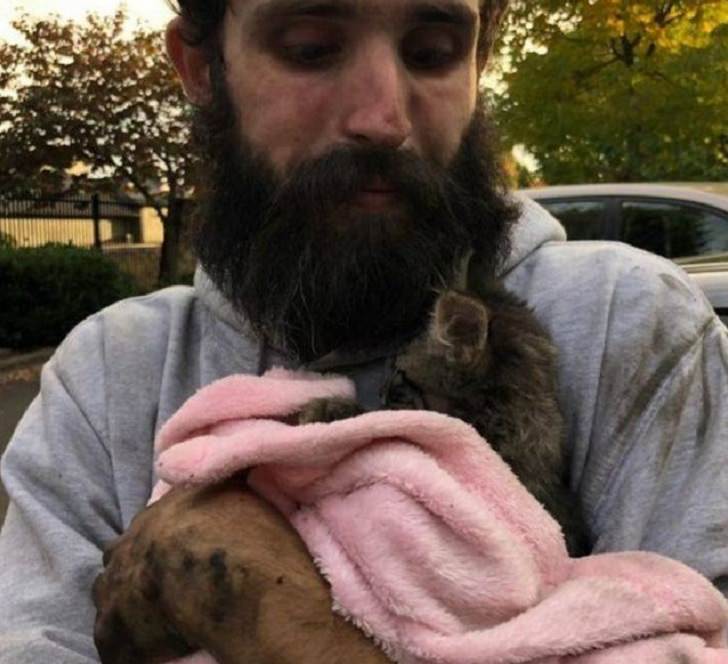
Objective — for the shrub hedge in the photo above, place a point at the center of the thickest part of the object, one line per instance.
(6, 241)
(46, 291)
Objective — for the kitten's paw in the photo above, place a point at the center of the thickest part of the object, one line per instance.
(328, 410)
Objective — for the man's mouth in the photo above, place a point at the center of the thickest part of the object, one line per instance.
(376, 196)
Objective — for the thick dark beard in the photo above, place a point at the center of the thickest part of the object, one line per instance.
(312, 275)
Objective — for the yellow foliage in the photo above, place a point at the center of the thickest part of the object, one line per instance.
(618, 89)
(671, 25)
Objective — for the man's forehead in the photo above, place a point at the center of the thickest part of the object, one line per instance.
(459, 10)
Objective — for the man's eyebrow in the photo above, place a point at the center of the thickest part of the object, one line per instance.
(277, 9)
(429, 11)
(444, 11)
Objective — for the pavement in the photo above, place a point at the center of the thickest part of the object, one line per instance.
(11, 359)
(19, 383)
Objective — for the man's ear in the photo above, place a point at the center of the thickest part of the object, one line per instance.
(491, 22)
(191, 62)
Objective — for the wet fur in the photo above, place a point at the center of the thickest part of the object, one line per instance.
(486, 360)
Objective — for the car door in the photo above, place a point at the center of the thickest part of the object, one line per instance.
(683, 231)
(587, 217)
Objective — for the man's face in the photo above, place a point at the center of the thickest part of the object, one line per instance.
(348, 168)
(307, 76)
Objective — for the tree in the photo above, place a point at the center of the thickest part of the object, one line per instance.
(103, 101)
(618, 90)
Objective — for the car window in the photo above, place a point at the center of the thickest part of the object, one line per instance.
(583, 220)
(673, 230)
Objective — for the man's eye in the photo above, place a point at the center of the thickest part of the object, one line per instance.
(430, 49)
(311, 54)
(309, 45)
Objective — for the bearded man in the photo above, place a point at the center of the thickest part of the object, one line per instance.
(349, 167)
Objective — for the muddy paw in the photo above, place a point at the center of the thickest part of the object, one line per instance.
(328, 410)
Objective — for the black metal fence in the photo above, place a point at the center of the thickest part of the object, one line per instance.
(113, 227)
(83, 222)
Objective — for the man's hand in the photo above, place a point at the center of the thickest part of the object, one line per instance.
(217, 568)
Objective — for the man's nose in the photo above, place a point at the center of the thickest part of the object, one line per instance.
(377, 99)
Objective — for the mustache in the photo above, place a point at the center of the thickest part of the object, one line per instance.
(312, 274)
(323, 184)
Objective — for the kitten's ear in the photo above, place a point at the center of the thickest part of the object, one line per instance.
(461, 323)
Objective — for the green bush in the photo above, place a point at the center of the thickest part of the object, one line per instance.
(6, 241)
(46, 291)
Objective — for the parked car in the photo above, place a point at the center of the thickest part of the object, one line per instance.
(687, 223)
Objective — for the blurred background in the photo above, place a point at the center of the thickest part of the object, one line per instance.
(616, 90)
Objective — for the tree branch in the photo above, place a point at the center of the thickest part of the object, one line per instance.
(581, 75)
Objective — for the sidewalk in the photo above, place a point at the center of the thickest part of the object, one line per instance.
(19, 384)
(11, 360)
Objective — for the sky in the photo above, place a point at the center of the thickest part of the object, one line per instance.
(155, 12)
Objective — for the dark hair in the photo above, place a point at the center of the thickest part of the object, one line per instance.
(203, 18)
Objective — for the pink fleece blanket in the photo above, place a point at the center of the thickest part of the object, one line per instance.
(429, 541)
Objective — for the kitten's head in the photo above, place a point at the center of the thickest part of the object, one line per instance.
(453, 348)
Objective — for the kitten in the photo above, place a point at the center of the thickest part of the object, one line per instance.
(486, 360)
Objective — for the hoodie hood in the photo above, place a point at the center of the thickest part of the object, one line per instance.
(534, 228)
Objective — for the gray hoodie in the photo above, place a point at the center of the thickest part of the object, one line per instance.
(643, 385)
